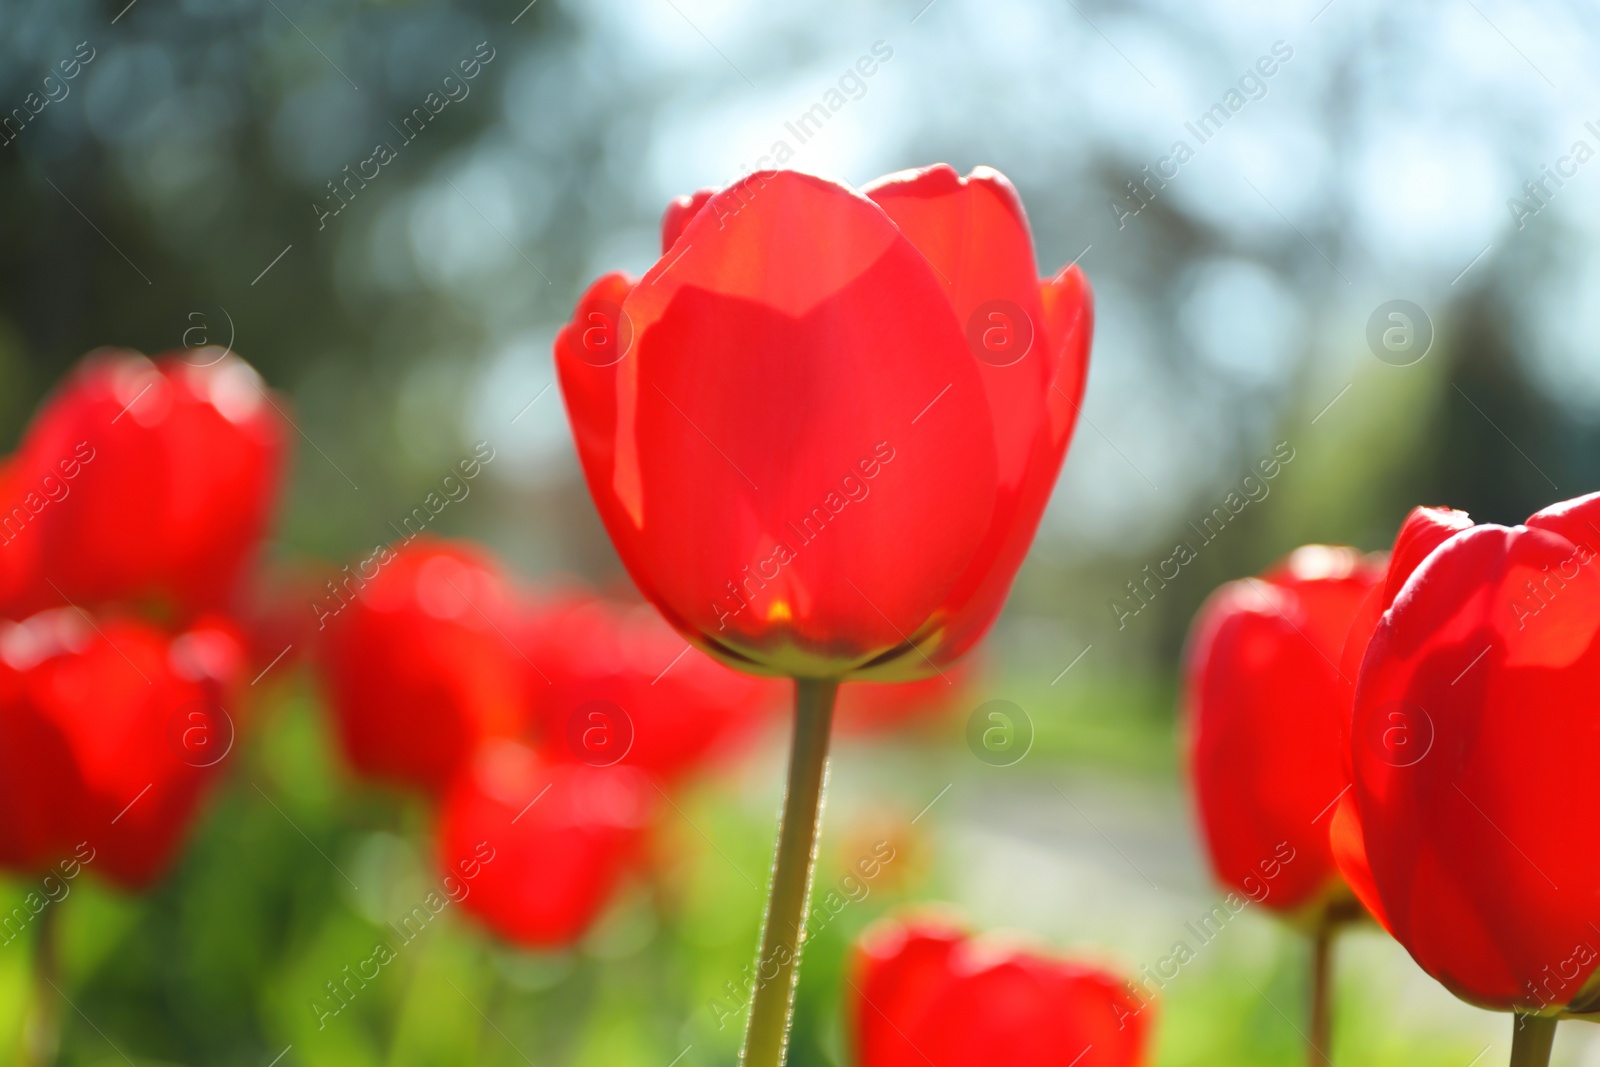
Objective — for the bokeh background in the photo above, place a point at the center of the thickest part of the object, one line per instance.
(172, 197)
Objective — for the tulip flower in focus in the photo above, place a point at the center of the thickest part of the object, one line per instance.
(821, 432)
(548, 842)
(924, 993)
(147, 483)
(1266, 703)
(113, 731)
(623, 688)
(822, 429)
(1486, 665)
(1423, 530)
(420, 663)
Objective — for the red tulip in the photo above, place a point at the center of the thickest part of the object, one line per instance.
(1265, 704)
(1474, 744)
(615, 684)
(279, 630)
(142, 482)
(924, 994)
(18, 569)
(551, 841)
(822, 429)
(112, 733)
(1423, 530)
(39, 780)
(420, 661)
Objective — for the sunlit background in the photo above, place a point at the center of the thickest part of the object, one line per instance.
(180, 190)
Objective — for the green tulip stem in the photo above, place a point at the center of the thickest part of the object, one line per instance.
(1531, 1039)
(41, 1033)
(777, 968)
(1321, 1027)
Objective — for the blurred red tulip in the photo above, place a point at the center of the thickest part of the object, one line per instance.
(143, 482)
(1265, 705)
(420, 663)
(18, 570)
(279, 630)
(822, 429)
(553, 841)
(112, 732)
(624, 688)
(926, 994)
(1474, 744)
(880, 707)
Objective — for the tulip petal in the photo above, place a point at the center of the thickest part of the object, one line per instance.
(974, 234)
(540, 850)
(900, 970)
(926, 994)
(1264, 709)
(1577, 520)
(419, 669)
(676, 709)
(1350, 855)
(1069, 327)
(1424, 530)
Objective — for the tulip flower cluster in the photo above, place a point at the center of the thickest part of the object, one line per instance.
(134, 509)
(546, 727)
(1421, 729)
